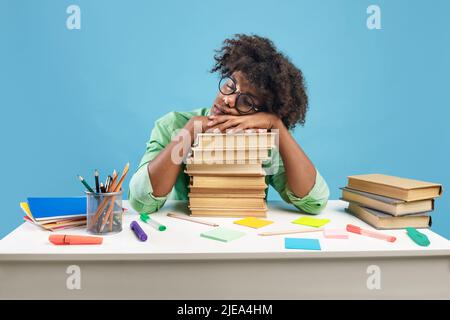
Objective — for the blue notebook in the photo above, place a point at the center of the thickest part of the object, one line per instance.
(54, 208)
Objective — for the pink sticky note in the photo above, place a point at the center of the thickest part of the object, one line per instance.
(335, 233)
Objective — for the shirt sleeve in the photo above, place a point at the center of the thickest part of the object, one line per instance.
(313, 203)
(140, 192)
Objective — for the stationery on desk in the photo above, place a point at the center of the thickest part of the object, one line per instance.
(55, 213)
(397, 204)
(223, 234)
(158, 226)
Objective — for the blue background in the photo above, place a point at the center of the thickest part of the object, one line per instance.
(75, 100)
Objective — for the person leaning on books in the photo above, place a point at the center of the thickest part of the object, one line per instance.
(259, 88)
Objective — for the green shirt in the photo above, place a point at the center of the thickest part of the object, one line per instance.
(141, 192)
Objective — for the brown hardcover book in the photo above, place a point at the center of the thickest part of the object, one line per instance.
(232, 191)
(229, 203)
(195, 167)
(392, 206)
(230, 156)
(214, 212)
(236, 141)
(236, 169)
(227, 182)
(395, 187)
(381, 220)
(239, 194)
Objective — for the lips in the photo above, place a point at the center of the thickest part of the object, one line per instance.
(217, 110)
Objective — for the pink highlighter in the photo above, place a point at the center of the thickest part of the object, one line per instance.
(369, 233)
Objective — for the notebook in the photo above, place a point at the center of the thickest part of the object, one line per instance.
(56, 208)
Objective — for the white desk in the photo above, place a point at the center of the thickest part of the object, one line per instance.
(179, 264)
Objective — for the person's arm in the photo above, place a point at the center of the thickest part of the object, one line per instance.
(300, 172)
(151, 184)
(165, 168)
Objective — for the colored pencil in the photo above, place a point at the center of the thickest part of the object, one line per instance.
(183, 217)
(97, 185)
(85, 184)
(275, 233)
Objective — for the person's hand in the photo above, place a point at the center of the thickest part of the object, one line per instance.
(198, 123)
(230, 123)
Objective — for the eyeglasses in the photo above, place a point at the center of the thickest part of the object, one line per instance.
(244, 102)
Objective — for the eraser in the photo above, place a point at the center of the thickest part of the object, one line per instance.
(335, 233)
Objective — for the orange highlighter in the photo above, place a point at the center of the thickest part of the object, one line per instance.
(66, 239)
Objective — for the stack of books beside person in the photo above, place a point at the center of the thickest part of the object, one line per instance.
(226, 173)
(389, 202)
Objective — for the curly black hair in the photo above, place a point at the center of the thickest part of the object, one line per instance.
(271, 72)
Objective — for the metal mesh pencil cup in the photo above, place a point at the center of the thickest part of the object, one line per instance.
(104, 212)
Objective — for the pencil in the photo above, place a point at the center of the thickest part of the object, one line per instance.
(183, 217)
(97, 185)
(108, 182)
(113, 199)
(274, 233)
(85, 184)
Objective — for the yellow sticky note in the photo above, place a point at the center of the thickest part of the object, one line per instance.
(312, 222)
(253, 222)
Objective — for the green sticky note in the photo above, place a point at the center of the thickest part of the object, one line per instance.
(222, 234)
(312, 222)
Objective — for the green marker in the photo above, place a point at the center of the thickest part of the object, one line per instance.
(418, 237)
(153, 223)
(85, 184)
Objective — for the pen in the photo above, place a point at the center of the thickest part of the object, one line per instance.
(85, 184)
(369, 233)
(97, 185)
(153, 223)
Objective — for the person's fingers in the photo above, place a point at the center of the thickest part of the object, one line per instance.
(230, 123)
(239, 128)
(214, 120)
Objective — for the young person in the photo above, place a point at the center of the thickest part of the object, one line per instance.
(259, 88)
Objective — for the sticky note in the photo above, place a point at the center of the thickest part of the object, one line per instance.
(253, 222)
(312, 222)
(335, 233)
(301, 243)
(222, 234)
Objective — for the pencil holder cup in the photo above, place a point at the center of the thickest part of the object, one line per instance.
(104, 212)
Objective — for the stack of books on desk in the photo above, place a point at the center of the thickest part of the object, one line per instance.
(388, 202)
(55, 213)
(226, 174)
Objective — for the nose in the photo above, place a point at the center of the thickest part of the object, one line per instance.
(229, 100)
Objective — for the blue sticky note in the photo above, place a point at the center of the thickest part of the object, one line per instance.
(301, 243)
